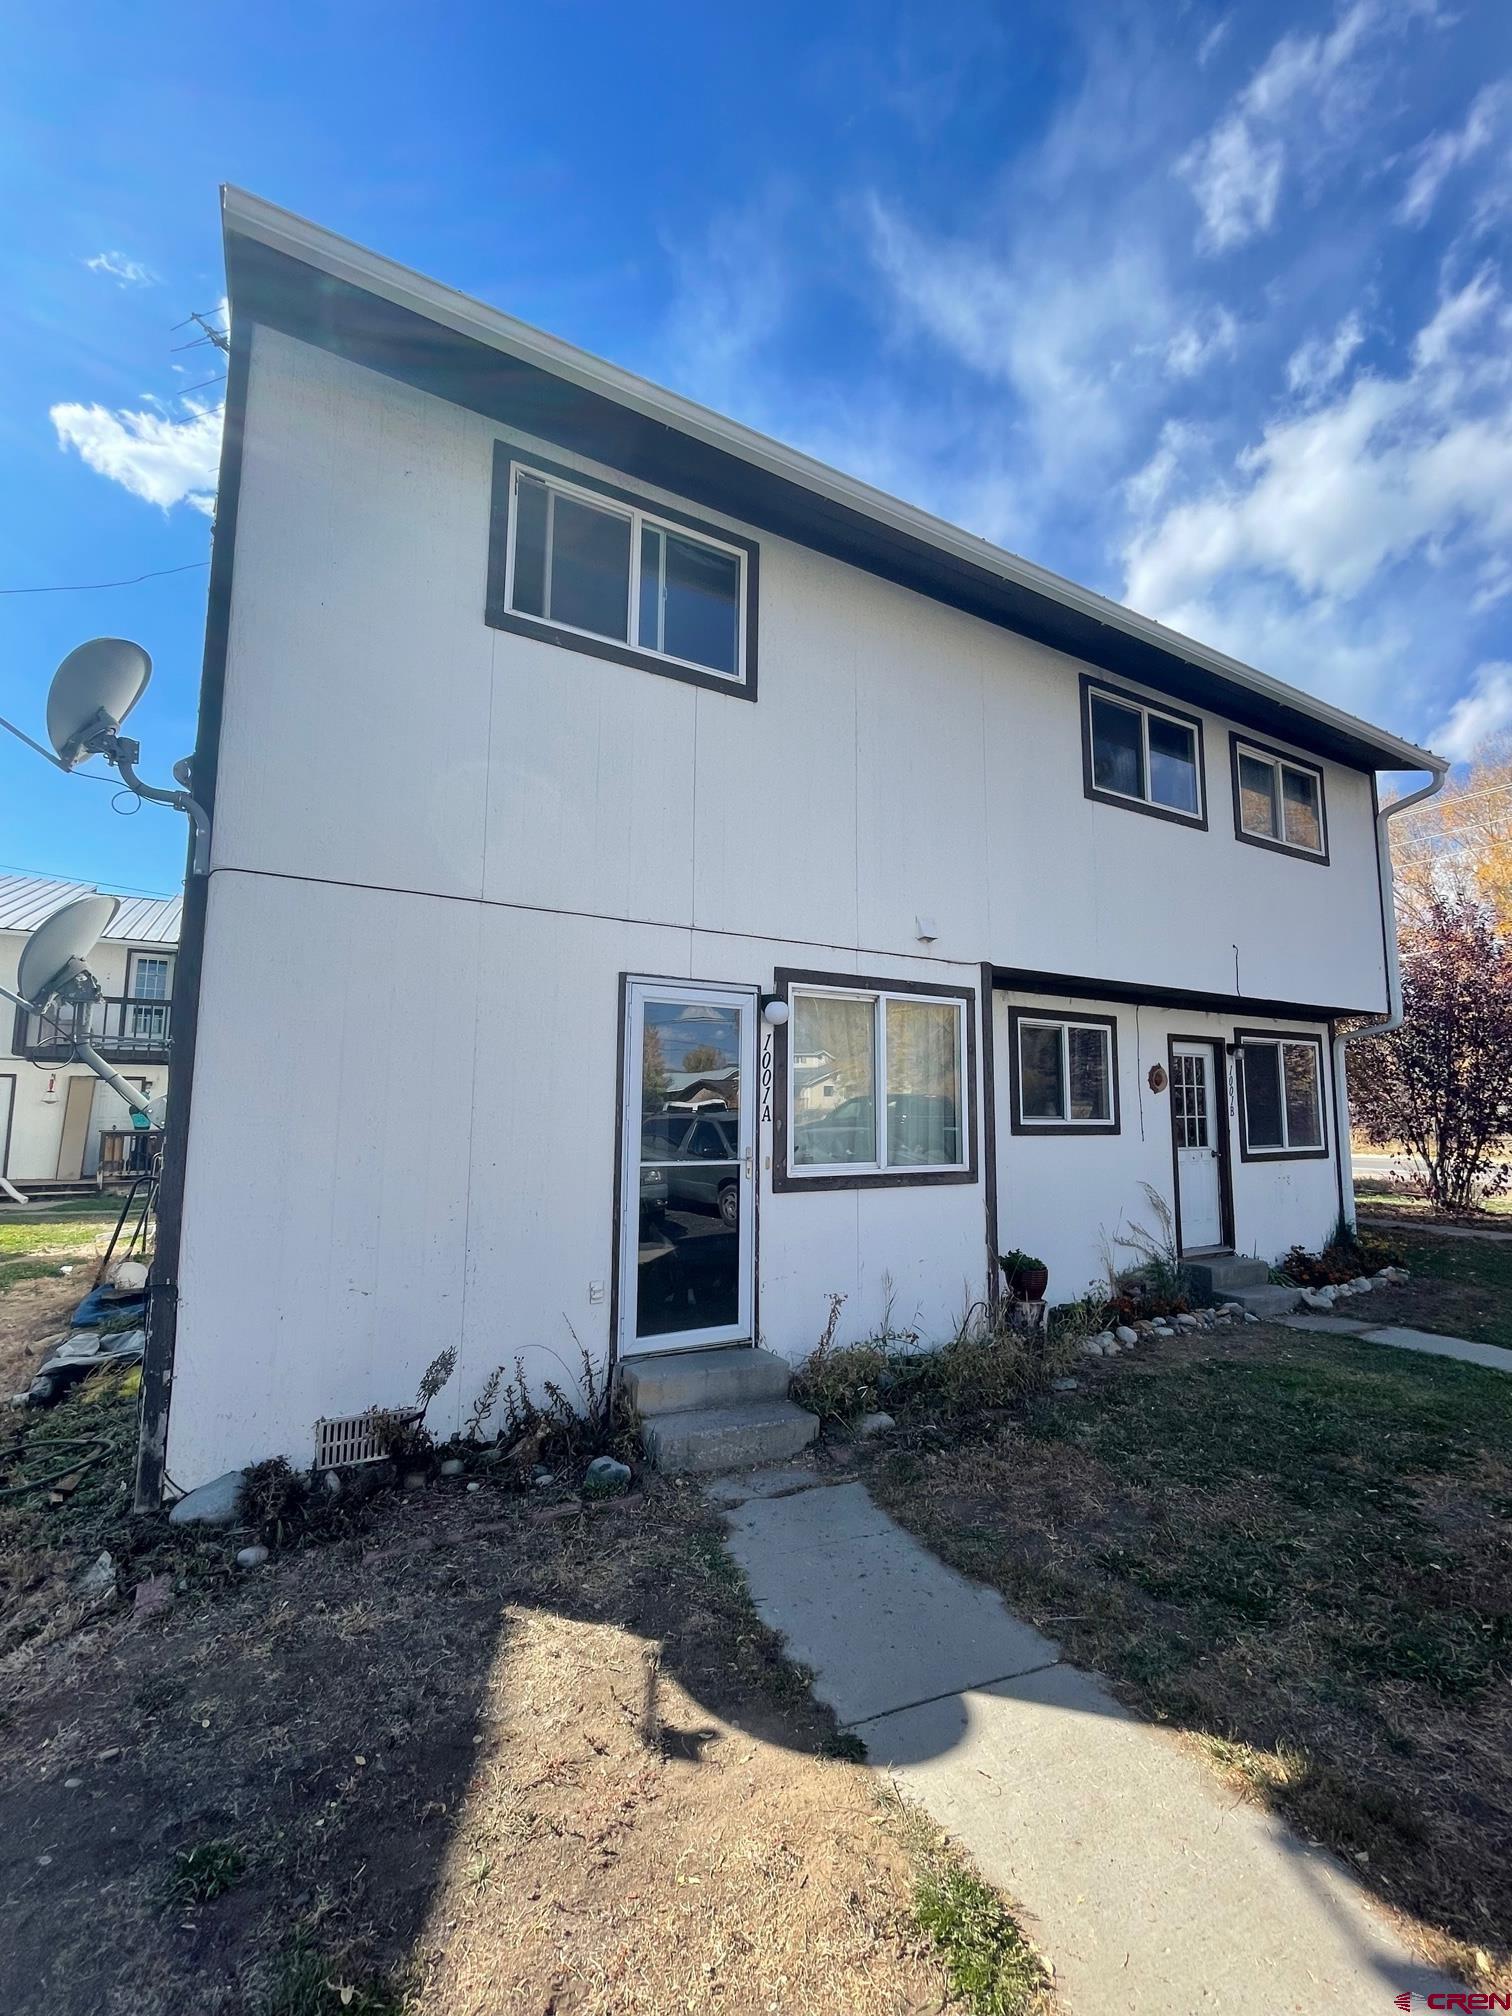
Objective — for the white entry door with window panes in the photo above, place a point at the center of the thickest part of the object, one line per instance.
(1195, 1117)
(687, 1178)
(149, 985)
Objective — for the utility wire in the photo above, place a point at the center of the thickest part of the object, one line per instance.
(109, 888)
(81, 587)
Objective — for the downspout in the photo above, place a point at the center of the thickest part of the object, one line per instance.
(1393, 1016)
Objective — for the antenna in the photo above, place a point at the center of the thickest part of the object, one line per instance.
(92, 692)
(53, 968)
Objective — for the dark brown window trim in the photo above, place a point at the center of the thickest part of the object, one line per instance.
(1016, 1122)
(783, 982)
(1248, 1154)
(1215, 1045)
(499, 616)
(1238, 742)
(1198, 821)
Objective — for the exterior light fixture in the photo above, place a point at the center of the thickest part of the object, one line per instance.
(774, 1011)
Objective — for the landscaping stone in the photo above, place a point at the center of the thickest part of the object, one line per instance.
(453, 1467)
(415, 1480)
(605, 1477)
(214, 1504)
(332, 1482)
(1125, 1335)
(152, 1597)
(251, 1557)
(542, 1479)
(1186, 1322)
(1361, 1284)
(874, 1424)
(1064, 1386)
(99, 1578)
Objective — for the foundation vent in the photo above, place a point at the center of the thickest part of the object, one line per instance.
(347, 1438)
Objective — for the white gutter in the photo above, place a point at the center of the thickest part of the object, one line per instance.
(250, 217)
(1394, 1008)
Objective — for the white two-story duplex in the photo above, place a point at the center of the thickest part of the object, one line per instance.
(700, 885)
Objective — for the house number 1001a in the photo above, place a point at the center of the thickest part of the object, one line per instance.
(766, 1078)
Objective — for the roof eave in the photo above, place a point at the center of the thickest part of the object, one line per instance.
(251, 217)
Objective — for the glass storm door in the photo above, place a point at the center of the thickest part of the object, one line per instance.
(1194, 1115)
(687, 1147)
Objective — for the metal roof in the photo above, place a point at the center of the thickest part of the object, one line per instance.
(358, 302)
(25, 900)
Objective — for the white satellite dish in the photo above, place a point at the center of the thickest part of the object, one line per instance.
(92, 692)
(52, 967)
(54, 955)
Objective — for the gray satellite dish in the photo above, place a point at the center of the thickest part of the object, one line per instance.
(54, 955)
(92, 692)
(52, 968)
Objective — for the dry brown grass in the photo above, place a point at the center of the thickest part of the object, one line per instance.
(474, 1761)
(1298, 1550)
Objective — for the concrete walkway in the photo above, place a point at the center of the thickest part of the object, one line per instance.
(1427, 1341)
(1151, 1888)
(1430, 1229)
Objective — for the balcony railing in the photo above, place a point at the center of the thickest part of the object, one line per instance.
(128, 1151)
(123, 1028)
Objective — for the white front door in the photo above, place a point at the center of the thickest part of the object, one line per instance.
(687, 1155)
(1195, 1118)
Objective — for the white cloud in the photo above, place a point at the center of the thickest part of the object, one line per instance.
(125, 272)
(1438, 157)
(1309, 89)
(1150, 483)
(164, 462)
(1321, 362)
(1327, 498)
(1197, 343)
(1208, 47)
(1478, 715)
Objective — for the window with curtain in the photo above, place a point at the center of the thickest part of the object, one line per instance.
(1283, 1095)
(1278, 802)
(847, 1047)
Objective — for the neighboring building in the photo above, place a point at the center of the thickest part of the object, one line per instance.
(555, 728)
(58, 1122)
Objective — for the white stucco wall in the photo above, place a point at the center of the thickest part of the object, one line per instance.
(438, 846)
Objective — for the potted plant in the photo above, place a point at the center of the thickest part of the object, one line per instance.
(1027, 1278)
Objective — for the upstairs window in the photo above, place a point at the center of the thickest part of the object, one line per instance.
(589, 567)
(1282, 1095)
(1278, 802)
(1146, 758)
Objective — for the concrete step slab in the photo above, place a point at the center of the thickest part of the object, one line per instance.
(703, 1439)
(1266, 1302)
(1219, 1274)
(667, 1382)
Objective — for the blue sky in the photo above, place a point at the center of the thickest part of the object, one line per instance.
(1204, 305)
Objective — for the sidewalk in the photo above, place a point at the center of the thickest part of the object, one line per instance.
(1427, 1341)
(1151, 1888)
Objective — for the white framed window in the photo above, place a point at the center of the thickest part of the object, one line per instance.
(1142, 756)
(594, 563)
(1278, 801)
(149, 986)
(897, 1091)
(1281, 1095)
(1064, 1072)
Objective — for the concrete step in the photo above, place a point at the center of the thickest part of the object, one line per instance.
(1219, 1274)
(670, 1382)
(728, 1438)
(1265, 1302)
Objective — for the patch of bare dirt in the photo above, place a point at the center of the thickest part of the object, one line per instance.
(31, 1314)
(547, 1766)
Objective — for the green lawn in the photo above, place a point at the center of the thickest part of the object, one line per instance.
(1375, 1194)
(1297, 1548)
(1459, 1288)
(35, 1244)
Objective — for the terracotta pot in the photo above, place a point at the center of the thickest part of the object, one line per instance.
(1029, 1284)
